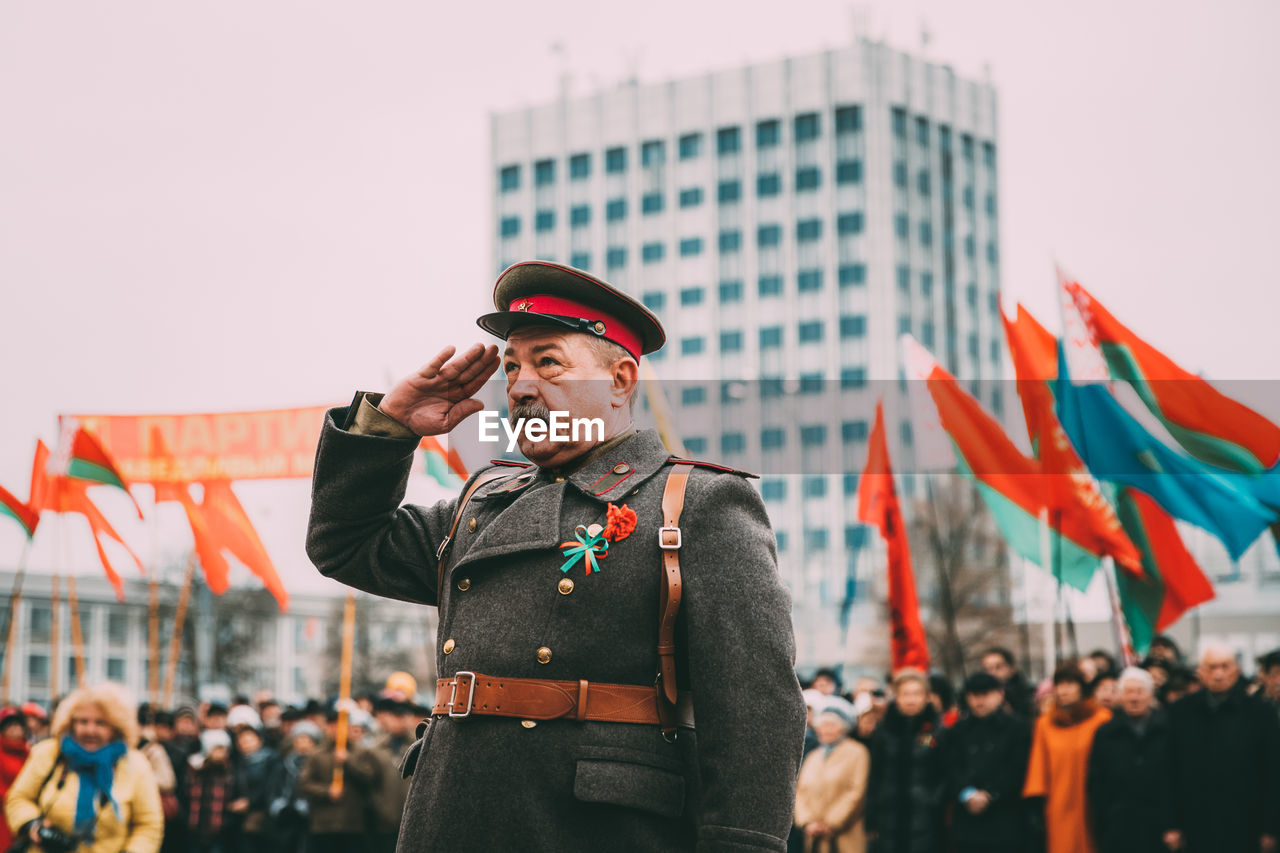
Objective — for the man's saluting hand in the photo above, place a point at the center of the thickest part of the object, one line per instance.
(440, 396)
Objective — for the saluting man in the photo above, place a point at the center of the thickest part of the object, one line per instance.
(615, 646)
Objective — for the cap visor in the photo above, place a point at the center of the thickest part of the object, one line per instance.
(502, 323)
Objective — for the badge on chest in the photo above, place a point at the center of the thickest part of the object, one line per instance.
(590, 543)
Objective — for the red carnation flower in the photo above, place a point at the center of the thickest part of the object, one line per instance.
(619, 522)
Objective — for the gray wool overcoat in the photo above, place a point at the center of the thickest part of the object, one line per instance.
(497, 784)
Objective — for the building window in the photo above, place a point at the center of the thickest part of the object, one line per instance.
(774, 438)
(926, 334)
(691, 296)
(544, 220)
(989, 155)
(900, 174)
(769, 184)
(615, 257)
(815, 487)
(651, 253)
(853, 377)
(615, 209)
(653, 153)
(901, 225)
(580, 260)
(695, 395)
(811, 383)
(849, 223)
(808, 178)
(848, 120)
(848, 171)
(691, 197)
(768, 133)
(808, 230)
(809, 281)
(991, 204)
(509, 178)
(923, 182)
(973, 345)
(731, 291)
(615, 160)
(850, 484)
(851, 274)
(899, 122)
(926, 234)
(853, 325)
(769, 235)
(971, 295)
(692, 346)
(904, 325)
(807, 127)
(770, 285)
(510, 226)
(690, 246)
(690, 146)
(770, 337)
(117, 628)
(926, 283)
(995, 351)
(773, 490)
(771, 386)
(904, 278)
(922, 130)
(38, 668)
(810, 331)
(855, 537)
(579, 167)
(729, 192)
(969, 246)
(654, 300)
(115, 669)
(579, 215)
(813, 435)
(730, 241)
(966, 198)
(781, 536)
(904, 433)
(544, 172)
(728, 140)
(696, 445)
(731, 341)
(651, 203)
(733, 442)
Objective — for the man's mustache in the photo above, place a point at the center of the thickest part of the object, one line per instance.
(528, 411)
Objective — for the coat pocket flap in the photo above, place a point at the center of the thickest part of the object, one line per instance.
(629, 784)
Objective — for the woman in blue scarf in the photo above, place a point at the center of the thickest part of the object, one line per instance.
(86, 782)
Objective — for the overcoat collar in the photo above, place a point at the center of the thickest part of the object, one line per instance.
(613, 474)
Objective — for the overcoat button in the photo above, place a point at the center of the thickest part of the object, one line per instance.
(565, 586)
(448, 646)
(544, 655)
(464, 584)
(471, 526)
(621, 468)
(528, 724)
(559, 479)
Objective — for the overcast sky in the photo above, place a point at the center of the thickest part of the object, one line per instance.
(232, 205)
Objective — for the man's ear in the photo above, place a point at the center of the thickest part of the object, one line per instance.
(625, 375)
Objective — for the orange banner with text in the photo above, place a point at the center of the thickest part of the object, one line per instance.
(273, 444)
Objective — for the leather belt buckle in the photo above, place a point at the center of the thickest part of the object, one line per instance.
(453, 695)
(667, 542)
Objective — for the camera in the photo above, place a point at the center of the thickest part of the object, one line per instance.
(54, 840)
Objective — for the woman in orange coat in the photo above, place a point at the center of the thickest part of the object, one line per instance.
(1060, 761)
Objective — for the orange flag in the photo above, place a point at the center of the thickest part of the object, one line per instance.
(232, 527)
(878, 505)
(58, 493)
(208, 548)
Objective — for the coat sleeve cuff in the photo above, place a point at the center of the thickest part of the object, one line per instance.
(365, 418)
(729, 839)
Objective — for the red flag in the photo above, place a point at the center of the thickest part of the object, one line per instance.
(231, 525)
(208, 549)
(878, 505)
(19, 511)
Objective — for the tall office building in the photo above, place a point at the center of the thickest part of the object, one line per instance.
(787, 221)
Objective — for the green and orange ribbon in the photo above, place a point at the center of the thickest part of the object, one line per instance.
(590, 542)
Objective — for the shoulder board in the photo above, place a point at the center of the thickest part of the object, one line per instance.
(510, 463)
(711, 465)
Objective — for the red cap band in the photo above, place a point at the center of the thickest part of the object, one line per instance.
(614, 329)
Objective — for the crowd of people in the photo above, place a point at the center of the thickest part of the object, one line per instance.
(249, 777)
(1096, 759)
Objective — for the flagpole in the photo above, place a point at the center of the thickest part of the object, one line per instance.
(1119, 628)
(153, 635)
(175, 641)
(1050, 620)
(344, 688)
(55, 635)
(77, 639)
(11, 627)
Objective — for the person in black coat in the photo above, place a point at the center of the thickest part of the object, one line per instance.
(1129, 783)
(1019, 696)
(985, 755)
(1226, 761)
(904, 791)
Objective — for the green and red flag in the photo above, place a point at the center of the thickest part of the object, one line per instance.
(1035, 359)
(443, 463)
(19, 512)
(90, 461)
(878, 505)
(1208, 424)
(1173, 582)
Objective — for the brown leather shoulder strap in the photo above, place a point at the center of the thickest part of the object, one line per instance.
(670, 540)
(442, 552)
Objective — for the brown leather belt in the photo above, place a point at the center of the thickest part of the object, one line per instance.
(471, 693)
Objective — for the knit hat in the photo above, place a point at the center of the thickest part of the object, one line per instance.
(305, 728)
(243, 715)
(211, 739)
